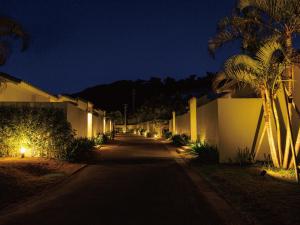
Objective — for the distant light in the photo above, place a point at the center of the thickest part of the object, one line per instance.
(155, 135)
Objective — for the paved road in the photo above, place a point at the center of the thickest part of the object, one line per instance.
(136, 182)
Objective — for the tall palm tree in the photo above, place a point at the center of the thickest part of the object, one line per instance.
(263, 73)
(283, 17)
(274, 20)
(10, 28)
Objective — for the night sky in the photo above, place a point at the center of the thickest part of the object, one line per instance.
(80, 43)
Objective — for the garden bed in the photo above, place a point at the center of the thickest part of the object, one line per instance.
(24, 178)
(270, 199)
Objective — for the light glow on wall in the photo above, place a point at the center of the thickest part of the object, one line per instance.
(104, 125)
(89, 125)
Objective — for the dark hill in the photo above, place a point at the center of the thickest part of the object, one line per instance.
(147, 93)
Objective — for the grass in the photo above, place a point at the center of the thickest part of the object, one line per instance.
(271, 199)
(24, 178)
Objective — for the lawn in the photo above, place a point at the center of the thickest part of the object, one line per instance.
(270, 199)
(24, 178)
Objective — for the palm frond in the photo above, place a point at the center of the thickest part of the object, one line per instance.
(241, 68)
(9, 27)
(265, 55)
(220, 39)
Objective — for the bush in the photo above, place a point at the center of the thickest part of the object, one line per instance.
(141, 131)
(101, 139)
(180, 140)
(245, 156)
(45, 132)
(205, 153)
(80, 149)
(167, 134)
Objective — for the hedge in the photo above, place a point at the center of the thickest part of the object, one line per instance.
(45, 132)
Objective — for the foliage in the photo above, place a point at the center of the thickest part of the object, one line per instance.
(141, 131)
(109, 136)
(80, 149)
(116, 116)
(45, 132)
(155, 98)
(204, 152)
(263, 73)
(10, 28)
(100, 139)
(245, 156)
(150, 134)
(167, 134)
(180, 140)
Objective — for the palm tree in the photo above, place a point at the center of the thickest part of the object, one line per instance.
(10, 28)
(283, 18)
(263, 73)
(258, 21)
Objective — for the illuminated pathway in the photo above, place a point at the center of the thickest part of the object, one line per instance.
(136, 182)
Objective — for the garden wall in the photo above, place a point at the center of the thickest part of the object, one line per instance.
(228, 123)
(183, 124)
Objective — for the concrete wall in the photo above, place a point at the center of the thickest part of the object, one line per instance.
(207, 123)
(229, 124)
(78, 120)
(183, 124)
(237, 123)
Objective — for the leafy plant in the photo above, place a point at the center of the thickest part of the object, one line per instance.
(44, 132)
(80, 149)
(204, 152)
(167, 134)
(245, 156)
(101, 139)
(150, 134)
(180, 140)
(141, 131)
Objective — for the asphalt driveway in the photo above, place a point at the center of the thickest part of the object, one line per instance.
(135, 181)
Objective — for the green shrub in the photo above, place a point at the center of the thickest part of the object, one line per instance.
(141, 131)
(80, 149)
(245, 156)
(205, 153)
(109, 136)
(167, 134)
(44, 132)
(101, 139)
(150, 134)
(180, 140)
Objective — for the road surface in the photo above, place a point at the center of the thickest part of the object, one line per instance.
(134, 182)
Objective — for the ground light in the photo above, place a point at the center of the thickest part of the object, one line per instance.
(22, 151)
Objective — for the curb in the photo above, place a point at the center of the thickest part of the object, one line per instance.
(224, 211)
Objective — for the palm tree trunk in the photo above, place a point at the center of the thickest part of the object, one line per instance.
(288, 90)
(268, 122)
(278, 131)
(260, 142)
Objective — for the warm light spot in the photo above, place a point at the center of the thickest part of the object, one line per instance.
(89, 125)
(23, 150)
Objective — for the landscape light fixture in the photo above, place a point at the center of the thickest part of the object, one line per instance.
(22, 151)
